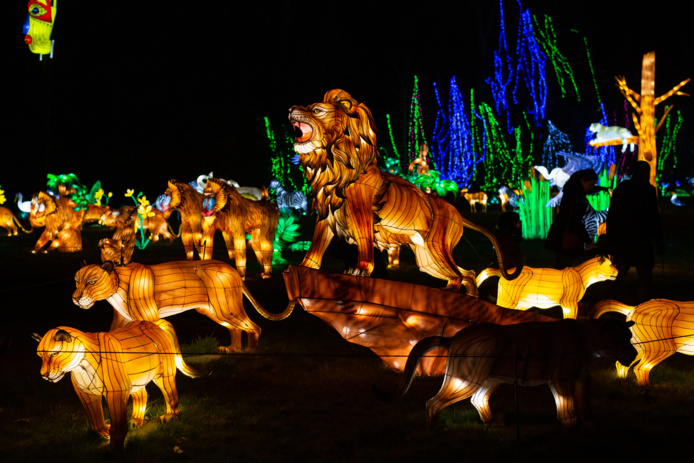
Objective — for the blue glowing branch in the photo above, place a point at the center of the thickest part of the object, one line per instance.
(556, 142)
(453, 139)
(531, 66)
(503, 74)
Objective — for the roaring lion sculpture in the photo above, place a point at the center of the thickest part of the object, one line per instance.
(115, 366)
(482, 357)
(186, 199)
(10, 222)
(224, 209)
(356, 201)
(63, 223)
(661, 328)
(150, 292)
(547, 287)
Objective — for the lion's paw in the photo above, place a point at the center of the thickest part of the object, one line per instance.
(167, 418)
(356, 272)
(104, 432)
(227, 349)
(134, 424)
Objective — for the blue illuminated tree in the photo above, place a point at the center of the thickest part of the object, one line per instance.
(453, 140)
(531, 66)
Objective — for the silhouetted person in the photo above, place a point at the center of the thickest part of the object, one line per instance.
(509, 234)
(567, 237)
(634, 225)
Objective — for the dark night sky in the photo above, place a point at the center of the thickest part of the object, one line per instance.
(137, 95)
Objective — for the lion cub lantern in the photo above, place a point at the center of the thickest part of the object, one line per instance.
(482, 357)
(356, 201)
(151, 292)
(115, 366)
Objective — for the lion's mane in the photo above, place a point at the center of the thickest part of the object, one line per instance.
(343, 145)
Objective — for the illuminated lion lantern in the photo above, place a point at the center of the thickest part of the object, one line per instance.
(662, 327)
(547, 287)
(356, 201)
(185, 199)
(115, 366)
(150, 292)
(224, 209)
(10, 222)
(482, 357)
(63, 223)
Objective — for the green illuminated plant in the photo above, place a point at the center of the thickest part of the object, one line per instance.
(144, 210)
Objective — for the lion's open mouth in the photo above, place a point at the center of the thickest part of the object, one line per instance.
(302, 132)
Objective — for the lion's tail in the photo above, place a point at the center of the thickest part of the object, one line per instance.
(610, 305)
(19, 224)
(180, 364)
(497, 249)
(270, 316)
(417, 353)
(171, 231)
(486, 273)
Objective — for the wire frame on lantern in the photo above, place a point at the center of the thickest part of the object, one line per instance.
(115, 366)
(543, 288)
(389, 317)
(662, 328)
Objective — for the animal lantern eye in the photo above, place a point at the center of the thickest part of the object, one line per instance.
(91, 282)
(317, 111)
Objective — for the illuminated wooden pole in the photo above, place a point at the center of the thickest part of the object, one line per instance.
(644, 105)
(647, 148)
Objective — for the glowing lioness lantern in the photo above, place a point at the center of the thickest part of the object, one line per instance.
(39, 25)
(150, 292)
(547, 287)
(662, 327)
(115, 366)
(355, 200)
(389, 317)
(481, 357)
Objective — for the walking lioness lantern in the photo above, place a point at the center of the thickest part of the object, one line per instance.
(114, 366)
(662, 327)
(355, 200)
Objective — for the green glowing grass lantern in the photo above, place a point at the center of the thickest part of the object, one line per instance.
(535, 216)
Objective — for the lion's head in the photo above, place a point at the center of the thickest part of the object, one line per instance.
(604, 270)
(336, 142)
(60, 353)
(94, 283)
(612, 339)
